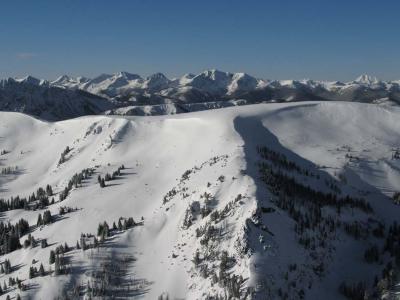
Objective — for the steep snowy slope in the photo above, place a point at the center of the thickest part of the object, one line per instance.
(214, 215)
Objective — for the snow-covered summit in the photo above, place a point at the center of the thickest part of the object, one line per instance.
(366, 79)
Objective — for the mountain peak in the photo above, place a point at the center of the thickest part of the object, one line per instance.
(62, 79)
(214, 73)
(29, 80)
(366, 79)
(157, 76)
(127, 76)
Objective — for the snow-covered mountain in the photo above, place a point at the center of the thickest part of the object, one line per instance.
(212, 85)
(40, 98)
(265, 201)
(129, 93)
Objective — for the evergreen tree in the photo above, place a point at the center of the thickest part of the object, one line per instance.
(57, 267)
(83, 243)
(102, 183)
(40, 220)
(7, 267)
(41, 270)
(52, 257)
(47, 219)
(108, 177)
(49, 190)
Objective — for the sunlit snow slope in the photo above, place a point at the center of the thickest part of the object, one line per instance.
(178, 171)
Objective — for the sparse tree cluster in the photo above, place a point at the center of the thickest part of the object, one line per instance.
(75, 181)
(108, 278)
(109, 177)
(46, 219)
(6, 267)
(58, 259)
(62, 210)
(34, 272)
(63, 155)
(30, 242)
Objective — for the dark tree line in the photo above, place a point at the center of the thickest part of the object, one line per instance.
(6, 267)
(356, 291)
(104, 230)
(280, 160)
(38, 200)
(9, 170)
(75, 181)
(279, 182)
(10, 234)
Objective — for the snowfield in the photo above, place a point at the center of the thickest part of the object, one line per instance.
(192, 184)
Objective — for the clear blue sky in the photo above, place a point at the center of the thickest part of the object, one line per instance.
(284, 39)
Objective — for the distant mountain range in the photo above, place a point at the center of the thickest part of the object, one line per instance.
(130, 94)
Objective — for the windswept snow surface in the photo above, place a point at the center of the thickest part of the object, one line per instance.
(177, 165)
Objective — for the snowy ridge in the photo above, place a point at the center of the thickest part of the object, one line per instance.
(213, 214)
(123, 91)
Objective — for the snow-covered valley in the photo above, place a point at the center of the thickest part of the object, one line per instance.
(264, 201)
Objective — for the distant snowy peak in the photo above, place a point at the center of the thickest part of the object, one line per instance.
(124, 89)
(157, 81)
(63, 80)
(366, 79)
(31, 80)
(127, 76)
(57, 100)
(211, 82)
(242, 82)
